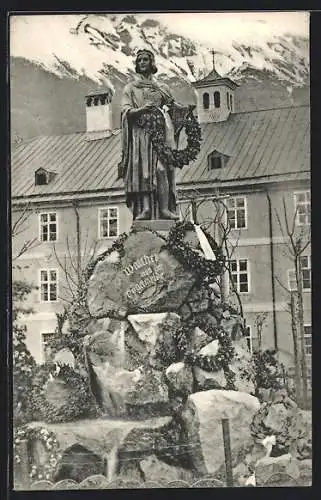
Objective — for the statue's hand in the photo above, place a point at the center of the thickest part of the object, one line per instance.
(136, 112)
(148, 107)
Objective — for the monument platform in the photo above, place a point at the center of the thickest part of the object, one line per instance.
(161, 225)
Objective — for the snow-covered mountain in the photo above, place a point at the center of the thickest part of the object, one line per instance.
(87, 51)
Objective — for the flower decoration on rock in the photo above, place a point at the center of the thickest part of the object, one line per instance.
(38, 471)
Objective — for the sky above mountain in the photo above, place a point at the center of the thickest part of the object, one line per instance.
(28, 32)
(210, 28)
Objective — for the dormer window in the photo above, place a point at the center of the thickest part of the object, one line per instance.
(217, 99)
(231, 102)
(43, 177)
(217, 160)
(228, 100)
(206, 100)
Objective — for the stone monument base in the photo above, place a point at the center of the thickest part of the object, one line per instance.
(162, 225)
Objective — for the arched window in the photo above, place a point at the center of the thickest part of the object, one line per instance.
(217, 99)
(206, 100)
(228, 100)
(231, 102)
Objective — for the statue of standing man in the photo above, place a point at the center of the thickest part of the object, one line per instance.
(149, 184)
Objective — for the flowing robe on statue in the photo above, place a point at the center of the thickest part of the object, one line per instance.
(139, 160)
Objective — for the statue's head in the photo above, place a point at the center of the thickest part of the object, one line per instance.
(145, 62)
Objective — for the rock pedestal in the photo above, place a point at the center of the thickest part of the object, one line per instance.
(144, 278)
(152, 327)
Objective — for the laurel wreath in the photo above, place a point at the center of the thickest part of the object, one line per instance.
(79, 404)
(49, 440)
(209, 363)
(259, 430)
(153, 122)
(206, 270)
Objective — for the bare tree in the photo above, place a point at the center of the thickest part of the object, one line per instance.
(19, 227)
(259, 323)
(73, 263)
(297, 240)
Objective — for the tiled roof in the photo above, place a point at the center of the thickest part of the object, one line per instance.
(260, 144)
(213, 77)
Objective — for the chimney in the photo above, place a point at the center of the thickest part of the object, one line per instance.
(99, 114)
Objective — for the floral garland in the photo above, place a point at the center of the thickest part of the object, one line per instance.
(206, 270)
(79, 314)
(118, 245)
(154, 122)
(80, 401)
(266, 370)
(259, 430)
(221, 360)
(217, 362)
(48, 438)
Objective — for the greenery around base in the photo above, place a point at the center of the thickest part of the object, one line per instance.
(24, 365)
(46, 470)
(267, 370)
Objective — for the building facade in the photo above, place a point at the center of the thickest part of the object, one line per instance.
(69, 205)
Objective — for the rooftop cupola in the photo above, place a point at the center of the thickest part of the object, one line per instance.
(99, 113)
(215, 96)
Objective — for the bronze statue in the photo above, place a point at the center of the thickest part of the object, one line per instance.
(149, 185)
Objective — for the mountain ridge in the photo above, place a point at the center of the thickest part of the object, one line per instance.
(98, 50)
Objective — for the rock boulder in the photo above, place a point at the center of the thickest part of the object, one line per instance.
(199, 339)
(156, 332)
(144, 278)
(179, 378)
(242, 368)
(209, 380)
(267, 467)
(305, 467)
(85, 445)
(202, 423)
(149, 396)
(157, 470)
